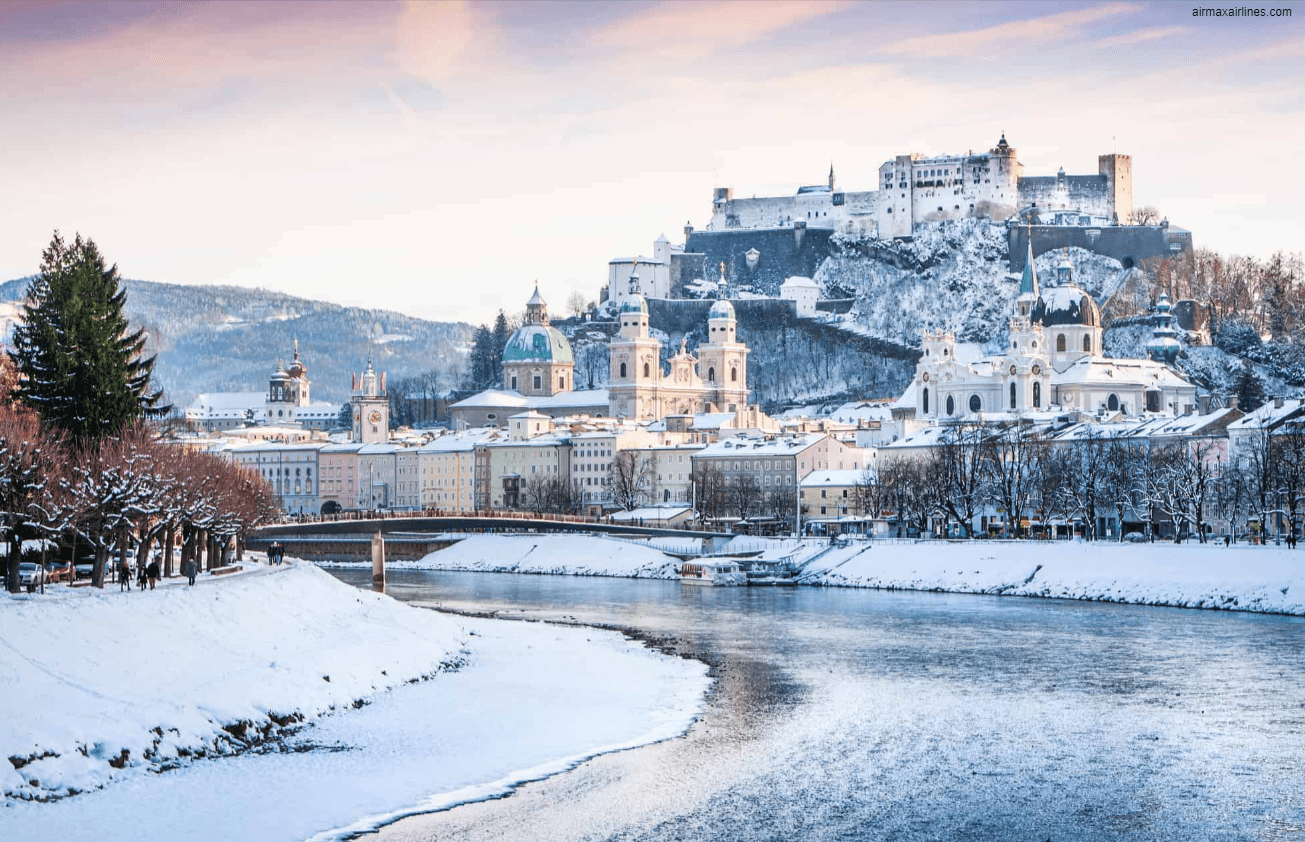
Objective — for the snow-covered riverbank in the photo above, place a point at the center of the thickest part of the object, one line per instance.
(1242, 577)
(102, 687)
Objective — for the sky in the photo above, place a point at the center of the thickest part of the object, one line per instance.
(438, 158)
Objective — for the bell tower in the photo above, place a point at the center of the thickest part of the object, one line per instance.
(723, 360)
(635, 360)
(371, 407)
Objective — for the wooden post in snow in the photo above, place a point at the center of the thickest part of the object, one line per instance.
(378, 563)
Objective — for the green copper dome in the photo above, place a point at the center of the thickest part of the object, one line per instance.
(634, 304)
(537, 343)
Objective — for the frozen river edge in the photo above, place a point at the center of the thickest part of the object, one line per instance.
(1269, 580)
(526, 701)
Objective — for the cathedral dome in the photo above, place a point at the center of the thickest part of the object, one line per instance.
(635, 304)
(1065, 305)
(537, 343)
(722, 309)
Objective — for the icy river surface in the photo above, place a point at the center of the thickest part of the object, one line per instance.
(852, 714)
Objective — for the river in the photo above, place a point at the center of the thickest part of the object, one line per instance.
(853, 714)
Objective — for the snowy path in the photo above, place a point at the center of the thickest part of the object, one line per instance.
(534, 700)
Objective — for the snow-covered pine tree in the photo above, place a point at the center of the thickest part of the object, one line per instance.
(502, 333)
(82, 366)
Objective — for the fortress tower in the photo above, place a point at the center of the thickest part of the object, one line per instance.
(1118, 172)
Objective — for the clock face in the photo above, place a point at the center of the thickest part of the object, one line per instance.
(1037, 369)
(374, 417)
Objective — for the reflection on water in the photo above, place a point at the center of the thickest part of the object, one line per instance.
(848, 714)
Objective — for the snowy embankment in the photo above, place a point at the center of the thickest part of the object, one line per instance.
(1241, 578)
(566, 555)
(103, 685)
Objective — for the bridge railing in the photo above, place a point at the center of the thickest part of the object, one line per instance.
(471, 514)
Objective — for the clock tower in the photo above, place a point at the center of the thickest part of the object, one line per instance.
(371, 407)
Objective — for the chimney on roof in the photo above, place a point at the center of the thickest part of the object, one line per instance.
(1203, 401)
(1232, 401)
(1277, 401)
(1188, 408)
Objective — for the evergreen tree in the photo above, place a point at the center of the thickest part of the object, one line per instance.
(344, 418)
(502, 333)
(1248, 388)
(482, 358)
(82, 367)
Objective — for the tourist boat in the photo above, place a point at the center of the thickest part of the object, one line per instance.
(718, 573)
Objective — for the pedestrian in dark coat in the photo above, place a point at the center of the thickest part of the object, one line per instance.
(124, 576)
(189, 569)
(153, 572)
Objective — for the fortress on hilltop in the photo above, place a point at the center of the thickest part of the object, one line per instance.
(915, 188)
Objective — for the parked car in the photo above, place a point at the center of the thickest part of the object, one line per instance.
(30, 574)
(58, 571)
(84, 568)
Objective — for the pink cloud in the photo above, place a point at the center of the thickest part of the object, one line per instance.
(980, 41)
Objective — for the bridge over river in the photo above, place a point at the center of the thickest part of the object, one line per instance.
(416, 535)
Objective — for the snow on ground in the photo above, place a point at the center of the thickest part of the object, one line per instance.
(571, 555)
(1243, 577)
(532, 700)
(101, 685)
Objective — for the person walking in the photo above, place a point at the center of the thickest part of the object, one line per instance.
(189, 569)
(124, 576)
(153, 572)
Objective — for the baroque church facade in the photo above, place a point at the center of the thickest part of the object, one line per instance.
(539, 371)
(714, 380)
(1053, 362)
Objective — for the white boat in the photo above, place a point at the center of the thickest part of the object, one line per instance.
(717, 573)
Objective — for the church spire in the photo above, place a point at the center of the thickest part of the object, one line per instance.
(1029, 281)
(831, 175)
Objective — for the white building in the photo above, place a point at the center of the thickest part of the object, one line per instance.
(804, 293)
(287, 402)
(1053, 361)
(291, 470)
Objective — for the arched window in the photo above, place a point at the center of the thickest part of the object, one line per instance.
(1087, 343)
(1012, 396)
(1037, 395)
(514, 382)
(926, 401)
(711, 374)
(734, 375)
(951, 406)
(1060, 342)
(666, 496)
(623, 369)
(561, 381)
(975, 403)
(645, 370)
(1112, 403)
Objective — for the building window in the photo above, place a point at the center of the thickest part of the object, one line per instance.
(561, 382)
(711, 374)
(1060, 342)
(951, 406)
(1037, 395)
(975, 403)
(623, 369)
(1012, 396)
(926, 401)
(645, 370)
(1112, 403)
(1087, 343)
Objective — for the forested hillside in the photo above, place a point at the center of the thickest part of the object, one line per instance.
(215, 338)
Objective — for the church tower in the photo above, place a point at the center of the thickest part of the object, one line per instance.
(723, 360)
(371, 407)
(635, 359)
(287, 390)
